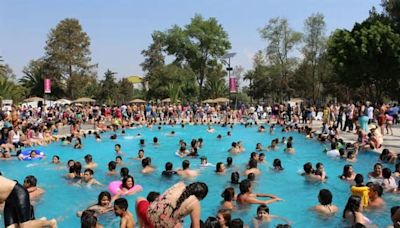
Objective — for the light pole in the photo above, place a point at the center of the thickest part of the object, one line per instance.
(229, 68)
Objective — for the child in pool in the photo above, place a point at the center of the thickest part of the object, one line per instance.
(264, 217)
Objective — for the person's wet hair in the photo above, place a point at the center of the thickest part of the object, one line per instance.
(152, 196)
(262, 208)
(168, 166)
(235, 178)
(386, 173)
(236, 223)
(90, 171)
(353, 204)
(31, 180)
(146, 162)
(197, 189)
(228, 194)
(251, 177)
(229, 161)
(244, 186)
(124, 172)
(325, 197)
(112, 165)
(101, 196)
(252, 164)
(277, 164)
(359, 179)
(88, 219)
(88, 158)
(125, 180)
(185, 164)
(307, 167)
(121, 203)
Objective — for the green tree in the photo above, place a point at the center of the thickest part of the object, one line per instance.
(67, 50)
(368, 57)
(198, 44)
(109, 88)
(125, 91)
(216, 85)
(314, 47)
(33, 80)
(281, 40)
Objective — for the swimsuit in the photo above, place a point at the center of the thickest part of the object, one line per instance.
(18, 208)
(142, 207)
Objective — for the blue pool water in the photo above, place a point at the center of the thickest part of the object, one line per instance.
(62, 201)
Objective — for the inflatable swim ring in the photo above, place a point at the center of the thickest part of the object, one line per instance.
(361, 192)
(25, 155)
(115, 187)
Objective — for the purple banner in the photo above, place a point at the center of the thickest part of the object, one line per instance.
(232, 85)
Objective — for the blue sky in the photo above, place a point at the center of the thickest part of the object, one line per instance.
(120, 29)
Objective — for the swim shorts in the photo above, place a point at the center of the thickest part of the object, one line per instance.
(17, 208)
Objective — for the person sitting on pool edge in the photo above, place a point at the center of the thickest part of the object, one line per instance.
(247, 197)
(17, 209)
(121, 210)
(88, 178)
(35, 192)
(325, 207)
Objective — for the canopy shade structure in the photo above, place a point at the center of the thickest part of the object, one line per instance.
(33, 99)
(209, 101)
(135, 79)
(137, 101)
(62, 101)
(84, 100)
(221, 100)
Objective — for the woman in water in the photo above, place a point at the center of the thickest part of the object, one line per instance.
(247, 197)
(223, 218)
(348, 173)
(352, 213)
(176, 203)
(325, 207)
(220, 168)
(229, 196)
(277, 165)
(377, 173)
(127, 184)
(103, 205)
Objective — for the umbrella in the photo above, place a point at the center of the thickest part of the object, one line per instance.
(33, 99)
(84, 100)
(210, 101)
(221, 100)
(135, 79)
(62, 101)
(137, 101)
(78, 104)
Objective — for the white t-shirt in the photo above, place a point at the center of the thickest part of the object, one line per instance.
(333, 153)
(370, 112)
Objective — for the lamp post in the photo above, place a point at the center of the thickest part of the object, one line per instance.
(229, 68)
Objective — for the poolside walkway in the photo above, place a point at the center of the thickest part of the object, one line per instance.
(389, 142)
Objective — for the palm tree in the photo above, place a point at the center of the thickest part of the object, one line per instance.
(216, 87)
(9, 90)
(33, 79)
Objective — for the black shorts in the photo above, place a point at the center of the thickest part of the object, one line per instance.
(17, 208)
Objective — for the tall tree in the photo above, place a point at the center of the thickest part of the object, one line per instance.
(314, 47)
(368, 56)
(281, 40)
(125, 91)
(154, 58)
(197, 44)
(67, 49)
(109, 87)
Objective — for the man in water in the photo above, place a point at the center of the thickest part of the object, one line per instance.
(17, 210)
(30, 183)
(88, 178)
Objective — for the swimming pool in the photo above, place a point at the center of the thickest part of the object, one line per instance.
(62, 201)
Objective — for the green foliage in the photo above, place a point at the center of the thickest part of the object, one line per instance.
(108, 88)
(367, 57)
(199, 44)
(281, 40)
(68, 54)
(125, 91)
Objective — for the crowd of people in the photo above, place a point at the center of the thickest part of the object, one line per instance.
(24, 127)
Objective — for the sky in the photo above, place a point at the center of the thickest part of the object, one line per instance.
(120, 29)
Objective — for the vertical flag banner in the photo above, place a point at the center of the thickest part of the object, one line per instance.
(232, 84)
(47, 85)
